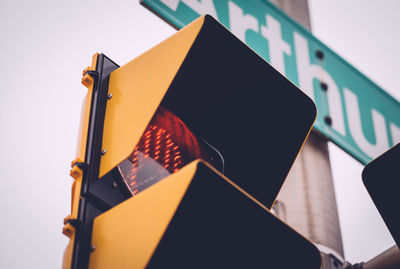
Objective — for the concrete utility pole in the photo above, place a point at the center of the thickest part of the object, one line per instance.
(307, 200)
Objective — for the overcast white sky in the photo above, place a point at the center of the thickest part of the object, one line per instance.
(45, 46)
(365, 34)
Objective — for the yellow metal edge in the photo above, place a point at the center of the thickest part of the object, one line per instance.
(67, 257)
(68, 229)
(75, 197)
(137, 90)
(154, 207)
(85, 113)
(76, 172)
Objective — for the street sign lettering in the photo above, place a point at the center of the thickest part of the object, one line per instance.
(353, 112)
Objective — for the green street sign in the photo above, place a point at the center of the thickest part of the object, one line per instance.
(353, 112)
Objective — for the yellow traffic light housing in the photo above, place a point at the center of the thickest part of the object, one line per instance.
(226, 95)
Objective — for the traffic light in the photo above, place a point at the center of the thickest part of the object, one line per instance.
(182, 153)
(381, 179)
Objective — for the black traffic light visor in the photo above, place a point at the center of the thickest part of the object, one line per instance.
(241, 105)
(225, 93)
(381, 178)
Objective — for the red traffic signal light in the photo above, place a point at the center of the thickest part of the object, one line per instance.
(166, 146)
